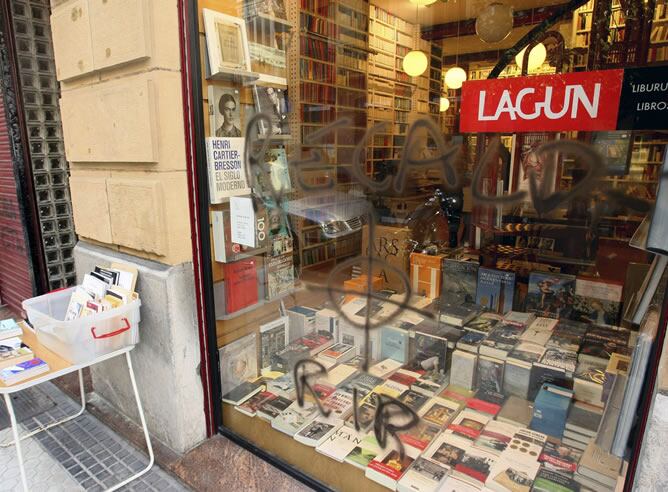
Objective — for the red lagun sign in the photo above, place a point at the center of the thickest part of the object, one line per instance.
(587, 101)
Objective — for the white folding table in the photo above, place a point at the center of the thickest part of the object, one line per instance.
(60, 367)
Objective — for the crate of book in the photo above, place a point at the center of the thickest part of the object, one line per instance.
(84, 338)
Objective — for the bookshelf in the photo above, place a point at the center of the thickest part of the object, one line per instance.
(658, 41)
(328, 81)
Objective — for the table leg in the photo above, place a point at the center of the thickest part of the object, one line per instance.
(53, 424)
(15, 431)
(143, 423)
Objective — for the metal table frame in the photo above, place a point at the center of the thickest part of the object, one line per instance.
(7, 391)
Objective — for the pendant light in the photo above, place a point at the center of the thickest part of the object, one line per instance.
(494, 23)
(455, 76)
(444, 104)
(415, 62)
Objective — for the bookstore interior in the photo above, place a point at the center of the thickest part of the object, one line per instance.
(438, 236)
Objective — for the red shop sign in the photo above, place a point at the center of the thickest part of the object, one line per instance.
(587, 101)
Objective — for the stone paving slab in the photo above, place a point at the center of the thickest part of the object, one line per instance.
(82, 454)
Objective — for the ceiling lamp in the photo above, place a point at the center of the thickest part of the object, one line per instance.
(536, 57)
(494, 23)
(422, 3)
(455, 77)
(415, 63)
(444, 104)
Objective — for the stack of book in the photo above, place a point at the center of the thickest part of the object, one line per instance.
(17, 360)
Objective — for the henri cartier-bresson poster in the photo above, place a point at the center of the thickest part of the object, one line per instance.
(226, 42)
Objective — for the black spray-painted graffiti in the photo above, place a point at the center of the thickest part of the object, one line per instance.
(393, 416)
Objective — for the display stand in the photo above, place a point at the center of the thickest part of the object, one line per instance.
(60, 367)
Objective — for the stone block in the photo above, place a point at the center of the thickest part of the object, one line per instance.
(120, 32)
(73, 50)
(90, 206)
(166, 360)
(110, 122)
(137, 214)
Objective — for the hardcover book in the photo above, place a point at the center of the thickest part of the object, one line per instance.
(241, 285)
(483, 323)
(469, 424)
(364, 453)
(512, 476)
(459, 281)
(489, 374)
(227, 176)
(560, 458)
(339, 445)
(241, 393)
(423, 476)
(388, 467)
(238, 362)
(597, 301)
(439, 411)
(273, 339)
(280, 275)
(550, 295)
(495, 290)
(293, 418)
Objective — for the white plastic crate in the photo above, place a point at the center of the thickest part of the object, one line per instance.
(83, 339)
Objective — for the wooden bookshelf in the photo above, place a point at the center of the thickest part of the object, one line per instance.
(328, 81)
(658, 41)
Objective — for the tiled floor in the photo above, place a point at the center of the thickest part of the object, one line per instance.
(82, 454)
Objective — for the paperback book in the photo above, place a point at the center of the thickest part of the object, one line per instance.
(388, 467)
(469, 424)
(340, 444)
(423, 476)
(293, 418)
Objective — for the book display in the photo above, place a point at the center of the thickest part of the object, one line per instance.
(377, 326)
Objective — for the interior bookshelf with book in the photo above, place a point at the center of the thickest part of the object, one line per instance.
(510, 318)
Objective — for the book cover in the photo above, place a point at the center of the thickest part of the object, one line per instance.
(273, 339)
(277, 179)
(560, 458)
(273, 407)
(423, 476)
(458, 314)
(238, 362)
(227, 176)
(495, 290)
(293, 418)
(339, 352)
(496, 437)
(597, 301)
(484, 323)
(420, 436)
(470, 341)
(475, 466)
(439, 411)
(490, 374)
(250, 406)
(550, 410)
(469, 424)
(388, 467)
(364, 453)
(23, 370)
(501, 340)
(551, 481)
(550, 295)
(241, 289)
(13, 351)
(599, 465)
(486, 401)
(301, 321)
(280, 274)
(526, 353)
(543, 324)
(426, 387)
(428, 352)
(241, 393)
(588, 380)
(526, 444)
(273, 102)
(459, 281)
(9, 328)
(584, 419)
(512, 476)
(561, 359)
(448, 450)
(463, 369)
(225, 250)
(339, 445)
(413, 400)
(317, 431)
(519, 319)
(363, 382)
(394, 344)
(340, 403)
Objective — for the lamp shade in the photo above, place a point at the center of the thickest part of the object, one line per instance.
(444, 104)
(536, 57)
(415, 63)
(454, 77)
(494, 23)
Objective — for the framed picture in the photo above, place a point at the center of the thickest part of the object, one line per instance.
(615, 147)
(225, 112)
(273, 102)
(226, 42)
